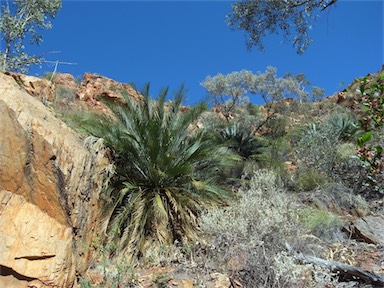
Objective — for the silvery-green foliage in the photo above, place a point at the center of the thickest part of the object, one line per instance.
(231, 90)
(317, 148)
(19, 23)
(316, 93)
(258, 227)
(291, 18)
(253, 216)
(211, 121)
(345, 126)
(319, 144)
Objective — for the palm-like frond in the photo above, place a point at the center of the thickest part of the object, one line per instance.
(344, 126)
(242, 141)
(161, 182)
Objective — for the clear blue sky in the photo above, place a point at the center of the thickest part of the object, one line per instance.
(175, 42)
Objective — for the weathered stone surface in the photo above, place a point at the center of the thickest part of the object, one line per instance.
(370, 229)
(54, 181)
(94, 86)
(38, 87)
(43, 248)
(66, 80)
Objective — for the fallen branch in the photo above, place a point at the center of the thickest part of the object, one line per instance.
(346, 272)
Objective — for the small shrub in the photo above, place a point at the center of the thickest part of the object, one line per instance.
(115, 273)
(276, 126)
(310, 179)
(346, 152)
(49, 76)
(161, 280)
(352, 172)
(250, 238)
(320, 223)
(64, 93)
(338, 198)
(344, 126)
(242, 141)
(316, 148)
(63, 104)
(211, 120)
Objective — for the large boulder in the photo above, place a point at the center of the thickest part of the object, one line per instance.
(49, 193)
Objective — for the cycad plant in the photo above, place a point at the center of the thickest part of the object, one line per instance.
(163, 164)
(344, 126)
(246, 146)
(242, 141)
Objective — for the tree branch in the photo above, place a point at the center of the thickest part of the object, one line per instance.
(328, 4)
(347, 272)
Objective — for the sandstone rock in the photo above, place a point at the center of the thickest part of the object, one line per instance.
(66, 80)
(40, 250)
(185, 283)
(370, 229)
(40, 88)
(53, 184)
(94, 86)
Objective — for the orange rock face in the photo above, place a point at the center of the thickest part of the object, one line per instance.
(94, 86)
(40, 250)
(49, 193)
(66, 79)
(38, 87)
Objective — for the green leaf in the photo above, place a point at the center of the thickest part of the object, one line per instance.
(367, 136)
(361, 140)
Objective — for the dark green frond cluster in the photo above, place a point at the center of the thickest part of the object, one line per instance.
(162, 168)
(242, 141)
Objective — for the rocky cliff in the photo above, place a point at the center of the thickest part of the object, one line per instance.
(49, 192)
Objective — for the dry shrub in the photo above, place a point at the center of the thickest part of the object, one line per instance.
(309, 179)
(250, 238)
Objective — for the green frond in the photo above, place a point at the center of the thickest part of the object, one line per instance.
(165, 171)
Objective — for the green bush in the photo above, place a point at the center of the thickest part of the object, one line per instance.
(242, 141)
(319, 222)
(309, 180)
(337, 198)
(212, 121)
(344, 125)
(165, 171)
(316, 148)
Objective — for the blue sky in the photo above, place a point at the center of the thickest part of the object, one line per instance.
(168, 43)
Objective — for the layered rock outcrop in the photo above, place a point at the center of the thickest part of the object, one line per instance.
(38, 87)
(94, 86)
(49, 193)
